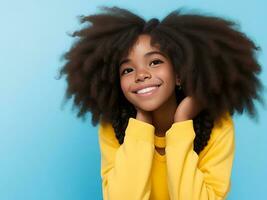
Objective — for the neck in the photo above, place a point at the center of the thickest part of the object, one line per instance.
(163, 117)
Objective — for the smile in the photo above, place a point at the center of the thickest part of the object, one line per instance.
(147, 91)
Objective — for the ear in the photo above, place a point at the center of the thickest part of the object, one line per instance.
(178, 81)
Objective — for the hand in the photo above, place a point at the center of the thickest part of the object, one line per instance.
(143, 115)
(188, 108)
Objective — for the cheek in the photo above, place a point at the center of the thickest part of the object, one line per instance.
(167, 76)
(124, 86)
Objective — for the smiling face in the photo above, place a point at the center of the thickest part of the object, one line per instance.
(147, 66)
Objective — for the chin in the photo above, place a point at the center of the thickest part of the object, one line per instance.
(148, 106)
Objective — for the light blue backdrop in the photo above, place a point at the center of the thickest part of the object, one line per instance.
(46, 153)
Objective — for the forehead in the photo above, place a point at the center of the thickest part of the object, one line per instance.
(142, 48)
(142, 45)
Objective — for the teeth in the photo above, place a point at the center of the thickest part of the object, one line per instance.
(146, 90)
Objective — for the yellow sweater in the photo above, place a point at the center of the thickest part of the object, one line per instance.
(136, 171)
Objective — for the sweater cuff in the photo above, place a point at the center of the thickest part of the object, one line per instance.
(180, 131)
(140, 130)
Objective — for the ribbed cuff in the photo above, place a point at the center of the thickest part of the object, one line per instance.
(180, 131)
(140, 130)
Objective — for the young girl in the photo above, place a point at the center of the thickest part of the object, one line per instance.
(164, 93)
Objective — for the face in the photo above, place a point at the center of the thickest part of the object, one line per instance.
(146, 66)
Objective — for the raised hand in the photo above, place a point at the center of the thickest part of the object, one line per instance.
(188, 108)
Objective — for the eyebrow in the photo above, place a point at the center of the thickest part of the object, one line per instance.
(146, 55)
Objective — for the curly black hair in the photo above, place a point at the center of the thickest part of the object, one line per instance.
(215, 62)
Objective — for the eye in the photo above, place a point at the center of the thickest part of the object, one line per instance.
(124, 71)
(156, 61)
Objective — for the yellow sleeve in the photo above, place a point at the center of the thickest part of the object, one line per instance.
(125, 169)
(199, 178)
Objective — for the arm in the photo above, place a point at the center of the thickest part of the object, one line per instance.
(125, 169)
(204, 176)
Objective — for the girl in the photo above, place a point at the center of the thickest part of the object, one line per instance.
(164, 93)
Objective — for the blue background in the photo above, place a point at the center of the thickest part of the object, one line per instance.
(46, 153)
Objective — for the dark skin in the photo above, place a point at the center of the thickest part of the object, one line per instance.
(186, 110)
(147, 64)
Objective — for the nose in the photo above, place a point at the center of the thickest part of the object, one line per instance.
(142, 76)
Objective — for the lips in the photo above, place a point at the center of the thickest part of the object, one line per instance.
(145, 86)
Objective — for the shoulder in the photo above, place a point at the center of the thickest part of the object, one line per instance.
(221, 134)
(222, 126)
(106, 134)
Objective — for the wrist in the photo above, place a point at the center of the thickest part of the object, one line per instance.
(181, 118)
